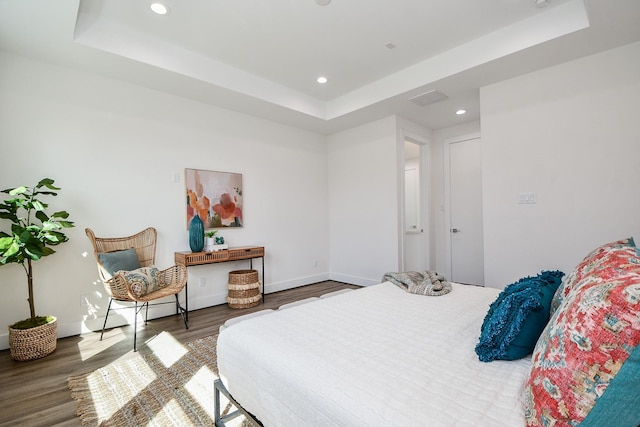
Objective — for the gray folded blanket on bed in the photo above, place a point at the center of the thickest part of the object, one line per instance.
(425, 283)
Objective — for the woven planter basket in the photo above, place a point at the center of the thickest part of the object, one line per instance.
(244, 289)
(33, 343)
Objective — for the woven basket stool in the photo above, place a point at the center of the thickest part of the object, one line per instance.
(244, 289)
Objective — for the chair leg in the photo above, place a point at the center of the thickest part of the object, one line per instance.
(182, 312)
(135, 327)
(105, 318)
(146, 312)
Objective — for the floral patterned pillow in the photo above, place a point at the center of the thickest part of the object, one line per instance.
(611, 245)
(586, 344)
(591, 262)
(144, 280)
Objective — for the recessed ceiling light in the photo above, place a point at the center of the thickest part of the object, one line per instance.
(461, 111)
(542, 3)
(323, 2)
(159, 8)
(322, 80)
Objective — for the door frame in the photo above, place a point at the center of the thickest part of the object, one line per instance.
(447, 195)
(425, 192)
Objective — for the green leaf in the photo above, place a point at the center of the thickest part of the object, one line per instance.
(47, 182)
(15, 202)
(19, 190)
(12, 250)
(38, 205)
(60, 214)
(47, 251)
(10, 216)
(47, 193)
(42, 216)
(33, 252)
(50, 225)
(33, 231)
(52, 239)
(5, 242)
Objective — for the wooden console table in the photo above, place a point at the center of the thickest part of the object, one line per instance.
(188, 258)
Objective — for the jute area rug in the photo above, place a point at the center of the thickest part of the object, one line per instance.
(173, 386)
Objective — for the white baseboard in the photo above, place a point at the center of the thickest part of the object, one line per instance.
(295, 283)
(353, 280)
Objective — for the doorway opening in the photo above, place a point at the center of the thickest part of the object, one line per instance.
(414, 218)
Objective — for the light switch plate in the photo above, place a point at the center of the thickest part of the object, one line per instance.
(527, 198)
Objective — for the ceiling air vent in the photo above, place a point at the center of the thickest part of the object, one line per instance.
(428, 98)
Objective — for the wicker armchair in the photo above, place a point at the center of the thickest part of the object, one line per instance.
(117, 285)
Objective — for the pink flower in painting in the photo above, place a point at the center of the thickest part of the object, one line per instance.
(226, 208)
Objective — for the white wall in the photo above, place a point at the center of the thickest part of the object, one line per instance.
(113, 147)
(363, 201)
(570, 133)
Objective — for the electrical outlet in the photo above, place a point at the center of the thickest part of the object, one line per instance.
(203, 282)
(315, 263)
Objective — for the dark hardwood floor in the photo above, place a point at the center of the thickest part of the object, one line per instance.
(35, 393)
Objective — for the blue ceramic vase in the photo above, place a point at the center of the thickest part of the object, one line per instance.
(196, 234)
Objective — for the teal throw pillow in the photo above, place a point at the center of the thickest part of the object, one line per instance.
(517, 317)
(119, 260)
(618, 405)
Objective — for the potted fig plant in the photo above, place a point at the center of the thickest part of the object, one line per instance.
(30, 238)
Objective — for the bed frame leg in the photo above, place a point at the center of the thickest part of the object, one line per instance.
(216, 410)
(220, 421)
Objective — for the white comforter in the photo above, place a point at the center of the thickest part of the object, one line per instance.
(377, 356)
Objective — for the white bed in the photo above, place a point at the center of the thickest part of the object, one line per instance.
(372, 357)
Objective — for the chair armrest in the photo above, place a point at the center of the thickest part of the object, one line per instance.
(119, 288)
(175, 276)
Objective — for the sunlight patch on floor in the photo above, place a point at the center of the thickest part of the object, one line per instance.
(166, 348)
(173, 415)
(91, 345)
(198, 387)
(123, 388)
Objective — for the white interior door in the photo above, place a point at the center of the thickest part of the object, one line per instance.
(465, 224)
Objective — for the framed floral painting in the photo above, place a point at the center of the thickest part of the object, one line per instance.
(214, 196)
